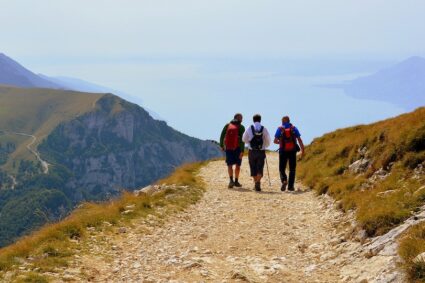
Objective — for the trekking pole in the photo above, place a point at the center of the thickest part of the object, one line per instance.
(268, 172)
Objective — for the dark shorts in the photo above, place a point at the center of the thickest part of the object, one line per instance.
(256, 162)
(232, 157)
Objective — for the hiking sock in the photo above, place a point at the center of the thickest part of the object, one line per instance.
(257, 186)
(231, 179)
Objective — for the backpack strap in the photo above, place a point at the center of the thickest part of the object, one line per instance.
(293, 132)
(254, 131)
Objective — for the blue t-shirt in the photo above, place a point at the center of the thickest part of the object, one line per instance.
(286, 126)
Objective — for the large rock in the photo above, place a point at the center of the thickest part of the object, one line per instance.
(359, 166)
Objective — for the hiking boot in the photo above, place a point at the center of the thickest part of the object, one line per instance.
(258, 186)
(291, 189)
(237, 184)
(283, 188)
(231, 184)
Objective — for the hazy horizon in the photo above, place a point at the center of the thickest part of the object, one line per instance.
(187, 60)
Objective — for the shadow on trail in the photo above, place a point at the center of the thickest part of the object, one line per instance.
(242, 190)
(300, 192)
(269, 192)
(278, 191)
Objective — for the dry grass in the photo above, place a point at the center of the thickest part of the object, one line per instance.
(54, 244)
(392, 145)
(412, 244)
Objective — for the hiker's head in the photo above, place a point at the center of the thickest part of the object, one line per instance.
(238, 116)
(285, 119)
(256, 118)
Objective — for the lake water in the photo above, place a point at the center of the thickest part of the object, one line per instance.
(201, 106)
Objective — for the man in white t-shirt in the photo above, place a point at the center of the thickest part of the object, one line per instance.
(258, 139)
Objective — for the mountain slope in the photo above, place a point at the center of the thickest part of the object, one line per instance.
(378, 170)
(97, 145)
(39, 111)
(85, 86)
(402, 84)
(12, 73)
(119, 145)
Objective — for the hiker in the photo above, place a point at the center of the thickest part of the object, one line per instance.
(258, 139)
(231, 142)
(287, 136)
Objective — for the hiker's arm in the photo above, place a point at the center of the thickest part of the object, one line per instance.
(276, 137)
(245, 137)
(300, 142)
(267, 138)
(241, 142)
(223, 134)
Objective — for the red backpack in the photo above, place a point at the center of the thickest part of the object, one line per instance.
(231, 140)
(287, 139)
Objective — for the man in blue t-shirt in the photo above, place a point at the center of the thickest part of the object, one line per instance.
(289, 140)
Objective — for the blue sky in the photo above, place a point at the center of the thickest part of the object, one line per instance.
(171, 54)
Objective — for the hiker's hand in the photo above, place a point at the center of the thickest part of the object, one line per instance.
(302, 154)
(241, 155)
(222, 148)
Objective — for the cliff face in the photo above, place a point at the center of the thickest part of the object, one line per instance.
(118, 145)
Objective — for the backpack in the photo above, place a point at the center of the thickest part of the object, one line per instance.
(287, 139)
(231, 140)
(257, 141)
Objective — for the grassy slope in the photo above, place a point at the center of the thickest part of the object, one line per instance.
(396, 145)
(55, 244)
(38, 111)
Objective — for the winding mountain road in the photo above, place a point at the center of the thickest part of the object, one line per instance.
(43, 163)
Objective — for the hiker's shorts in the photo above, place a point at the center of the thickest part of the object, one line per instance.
(232, 157)
(256, 162)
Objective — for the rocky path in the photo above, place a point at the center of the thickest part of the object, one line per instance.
(233, 235)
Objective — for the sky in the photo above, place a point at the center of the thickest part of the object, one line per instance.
(179, 54)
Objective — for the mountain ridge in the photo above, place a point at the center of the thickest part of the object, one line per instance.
(13, 73)
(402, 84)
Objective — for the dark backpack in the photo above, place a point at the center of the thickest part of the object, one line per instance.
(288, 139)
(257, 141)
(231, 140)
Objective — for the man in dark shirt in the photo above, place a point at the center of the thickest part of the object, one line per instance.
(287, 137)
(231, 142)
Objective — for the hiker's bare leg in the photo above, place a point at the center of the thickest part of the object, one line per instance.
(230, 170)
(258, 178)
(237, 171)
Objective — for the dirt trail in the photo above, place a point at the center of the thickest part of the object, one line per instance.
(234, 235)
